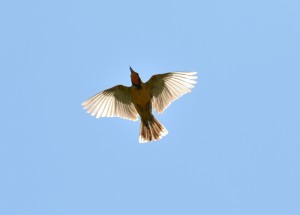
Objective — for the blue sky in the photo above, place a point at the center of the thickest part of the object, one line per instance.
(233, 143)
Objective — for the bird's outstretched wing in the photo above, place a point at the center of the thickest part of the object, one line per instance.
(113, 102)
(168, 87)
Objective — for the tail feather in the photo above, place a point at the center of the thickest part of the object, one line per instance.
(151, 130)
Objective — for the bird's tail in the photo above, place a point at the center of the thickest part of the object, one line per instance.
(151, 130)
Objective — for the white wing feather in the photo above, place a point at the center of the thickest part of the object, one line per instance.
(113, 102)
(168, 87)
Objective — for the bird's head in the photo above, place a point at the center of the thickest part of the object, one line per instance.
(135, 78)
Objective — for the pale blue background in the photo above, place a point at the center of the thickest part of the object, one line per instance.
(233, 143)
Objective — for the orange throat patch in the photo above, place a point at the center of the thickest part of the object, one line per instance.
(135, 79)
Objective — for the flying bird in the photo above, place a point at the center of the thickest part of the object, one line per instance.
(130, 102)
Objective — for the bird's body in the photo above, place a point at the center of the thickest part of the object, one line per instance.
(129, 102)
(141, 98)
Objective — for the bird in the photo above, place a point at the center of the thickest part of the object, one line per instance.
(138, 99)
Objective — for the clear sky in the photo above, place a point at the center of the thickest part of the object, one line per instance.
(233, 145)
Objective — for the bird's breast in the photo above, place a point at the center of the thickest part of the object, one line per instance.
(140, 96)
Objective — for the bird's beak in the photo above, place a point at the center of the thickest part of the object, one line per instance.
(131, 69)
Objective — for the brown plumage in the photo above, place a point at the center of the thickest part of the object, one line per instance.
(129, 102)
